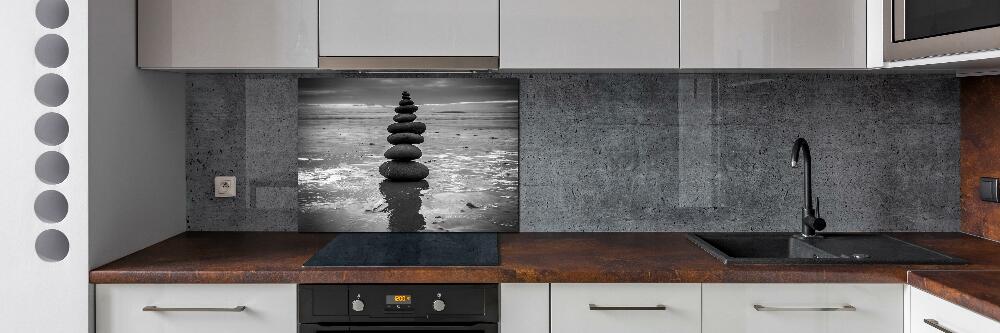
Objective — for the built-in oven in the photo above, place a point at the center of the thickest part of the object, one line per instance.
(386, 308)
(928, 28)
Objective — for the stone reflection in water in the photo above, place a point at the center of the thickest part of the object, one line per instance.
(403, 203)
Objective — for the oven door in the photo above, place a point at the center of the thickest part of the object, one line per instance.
(927, 28)
(474, 328)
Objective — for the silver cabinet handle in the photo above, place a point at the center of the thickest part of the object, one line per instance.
(848, 307)
(935, 324)
(594, 307)
(240, 308)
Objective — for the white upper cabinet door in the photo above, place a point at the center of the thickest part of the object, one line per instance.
(773, 34)
(409, 28)
(625, 307)
(583, 34)
(227, 33)
(814, 308)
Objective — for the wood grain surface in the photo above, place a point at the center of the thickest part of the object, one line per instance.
(978, 291)
(274, 257)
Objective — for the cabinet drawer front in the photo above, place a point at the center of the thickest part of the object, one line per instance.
(819, 308)
(195, 308)
(946, 315)
(406, 28)
(622, 307)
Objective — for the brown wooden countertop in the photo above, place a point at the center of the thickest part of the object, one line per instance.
(272, 257)
(978, 291)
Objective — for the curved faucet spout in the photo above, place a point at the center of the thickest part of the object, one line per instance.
(807, 188)
(800, 145)
(810, 222)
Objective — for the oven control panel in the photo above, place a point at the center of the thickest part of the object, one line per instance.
(398, 303)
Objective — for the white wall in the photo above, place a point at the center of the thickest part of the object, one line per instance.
(137, 187)
(126, 128)
(38, 295)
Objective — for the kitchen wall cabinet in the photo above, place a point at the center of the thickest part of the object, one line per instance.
(405, 28)
(730, 308)
(123, 308)
(626, 307)
(930, 314)
(227, 34)
(589, 34)
(512, 34)
(779, 34)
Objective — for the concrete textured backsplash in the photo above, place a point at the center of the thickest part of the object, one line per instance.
(638, 152)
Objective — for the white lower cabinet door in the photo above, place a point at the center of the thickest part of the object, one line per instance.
(196, 308)
(625, 307)
(930, 314)
(524, 308)
(802, 308)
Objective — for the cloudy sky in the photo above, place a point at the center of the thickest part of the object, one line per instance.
(387, 92)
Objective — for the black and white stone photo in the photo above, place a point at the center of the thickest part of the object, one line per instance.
(408, 155)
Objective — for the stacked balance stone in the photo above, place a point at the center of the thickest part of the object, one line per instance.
(405, 133)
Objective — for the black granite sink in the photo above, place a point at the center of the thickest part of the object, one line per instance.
(838, 248)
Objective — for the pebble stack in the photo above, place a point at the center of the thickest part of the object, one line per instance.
(404, 134)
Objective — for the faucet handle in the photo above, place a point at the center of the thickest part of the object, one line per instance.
(818, 224)
(817, 206)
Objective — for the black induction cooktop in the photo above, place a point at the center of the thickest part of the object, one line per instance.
(409, 249)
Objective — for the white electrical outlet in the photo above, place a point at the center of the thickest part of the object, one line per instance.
(225, 187)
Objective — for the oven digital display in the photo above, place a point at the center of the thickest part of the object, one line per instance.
(398, 299)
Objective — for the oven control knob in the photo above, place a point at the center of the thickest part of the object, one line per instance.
(438, 305)
(358, 305)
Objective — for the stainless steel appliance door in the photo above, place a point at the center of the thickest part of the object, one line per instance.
(916, 19)
(927, 28)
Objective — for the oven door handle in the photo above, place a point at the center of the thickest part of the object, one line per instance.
(312, 328)
(486, 328)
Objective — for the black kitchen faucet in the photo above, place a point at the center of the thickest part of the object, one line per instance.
(810, 221)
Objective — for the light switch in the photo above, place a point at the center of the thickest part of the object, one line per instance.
(225, 187)
(988, 189)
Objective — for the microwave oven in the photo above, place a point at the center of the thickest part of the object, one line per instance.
(915, 29)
